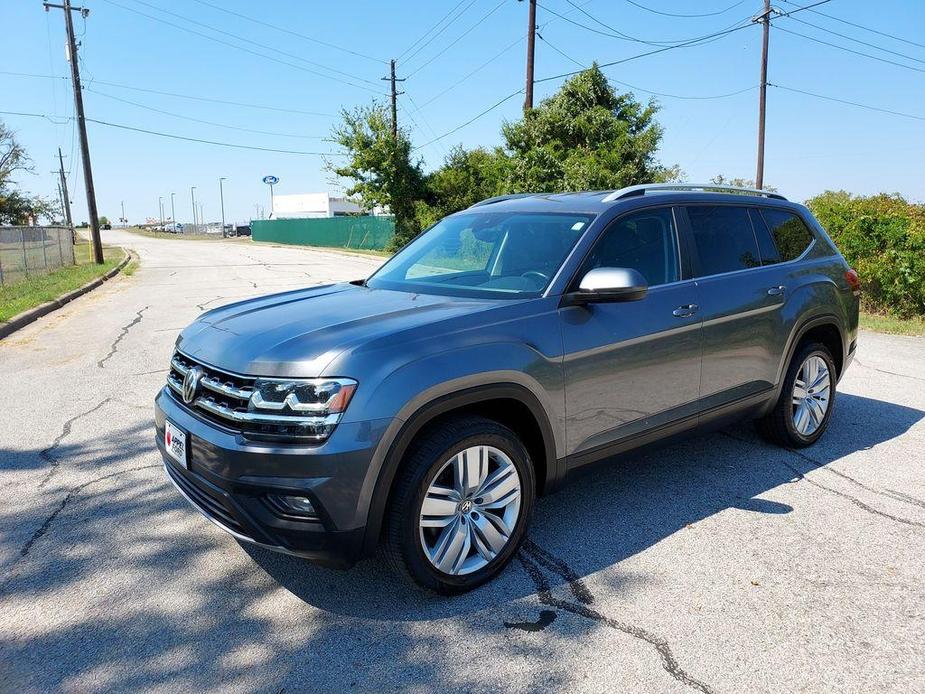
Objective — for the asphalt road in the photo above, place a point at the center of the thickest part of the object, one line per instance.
(719, 564)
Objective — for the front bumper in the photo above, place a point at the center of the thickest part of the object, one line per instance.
(229, 478)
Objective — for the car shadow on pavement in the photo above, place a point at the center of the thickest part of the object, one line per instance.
(615, 511)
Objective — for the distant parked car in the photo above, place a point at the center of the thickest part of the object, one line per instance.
(106, 227)
(242, 230)
(425, 408)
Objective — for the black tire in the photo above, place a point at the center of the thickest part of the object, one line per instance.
(777, 426)
(401, 541)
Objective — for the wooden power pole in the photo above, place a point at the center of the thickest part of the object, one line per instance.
(81, 124)
(531, 51)
(393, 79)
(765, 19)
(64, 194)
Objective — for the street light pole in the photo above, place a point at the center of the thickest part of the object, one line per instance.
(124, 220)
(160, 207)
(173, 213)
(193, 198)
(221, 197)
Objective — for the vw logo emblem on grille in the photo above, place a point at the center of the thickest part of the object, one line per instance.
(191, 384)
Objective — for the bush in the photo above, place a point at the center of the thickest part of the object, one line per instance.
(883, 238)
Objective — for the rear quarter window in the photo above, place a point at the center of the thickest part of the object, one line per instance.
(723, 238)
(789, 232)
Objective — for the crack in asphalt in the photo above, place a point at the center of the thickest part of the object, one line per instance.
(884, 371)
(67, 499)
(857, 502)
(202, 306)
(532, 557)
(46, 454)
(115, 345)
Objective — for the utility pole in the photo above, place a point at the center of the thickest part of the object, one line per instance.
(531, 46)
(765, 19)
(81, 124)
(393, 79)
(160, 207)
(221, 197)
(173, 212)
(124, 220)
(67, 200)
(192, 195)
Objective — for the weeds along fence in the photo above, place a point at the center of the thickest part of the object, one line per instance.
(29, 251)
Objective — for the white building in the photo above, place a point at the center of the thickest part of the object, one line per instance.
(312, 205)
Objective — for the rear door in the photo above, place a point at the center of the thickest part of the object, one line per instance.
(632, 366)
(741, 301)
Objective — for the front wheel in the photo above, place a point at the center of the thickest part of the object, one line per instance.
(461, 505)
(806, 402)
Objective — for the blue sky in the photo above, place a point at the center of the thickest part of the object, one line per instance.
(812, 144)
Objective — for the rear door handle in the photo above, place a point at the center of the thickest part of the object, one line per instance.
(685, 311)
(777, 291)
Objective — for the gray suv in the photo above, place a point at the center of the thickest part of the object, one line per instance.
(423, 410)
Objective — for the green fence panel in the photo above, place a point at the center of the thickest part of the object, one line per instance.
(367, 233)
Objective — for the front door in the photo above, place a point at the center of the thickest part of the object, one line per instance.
(632, 366)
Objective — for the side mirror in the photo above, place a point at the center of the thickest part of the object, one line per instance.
(609, 284)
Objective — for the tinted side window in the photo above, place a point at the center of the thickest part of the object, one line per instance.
(723, 238)
(769, 252)
(644, 241)
(789, 231)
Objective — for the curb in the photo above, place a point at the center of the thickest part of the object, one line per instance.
(33, 314)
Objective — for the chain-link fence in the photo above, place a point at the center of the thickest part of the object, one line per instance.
(27, 251)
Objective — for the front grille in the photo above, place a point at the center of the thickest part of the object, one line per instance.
(209, 504)
(225, 399)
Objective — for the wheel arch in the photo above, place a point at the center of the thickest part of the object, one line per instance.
(511, 404)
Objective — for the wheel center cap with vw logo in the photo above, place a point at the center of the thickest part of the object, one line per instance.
(191, 384)
(465, 506)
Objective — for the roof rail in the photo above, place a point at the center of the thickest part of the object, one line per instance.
(501, 198)
(644, 188)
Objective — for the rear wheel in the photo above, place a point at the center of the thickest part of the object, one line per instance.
(806, 402)
(461, 505)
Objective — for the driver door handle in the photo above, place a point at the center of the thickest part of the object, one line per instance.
(685, 311)
(777, 291)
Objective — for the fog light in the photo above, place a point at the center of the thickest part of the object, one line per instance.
(293, 505)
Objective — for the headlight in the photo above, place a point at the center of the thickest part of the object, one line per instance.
(310, 407)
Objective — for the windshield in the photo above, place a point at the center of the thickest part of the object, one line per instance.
(499, 255)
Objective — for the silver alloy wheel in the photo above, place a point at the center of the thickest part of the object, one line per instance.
(470, 510)
(811, 393)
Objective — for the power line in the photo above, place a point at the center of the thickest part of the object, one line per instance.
(289, 31)
(198, 120)
(856, 40)
(173, 136)
(673, 14)
(458, 38)
(243, 48)
(427, 33)
(441, 30)
(850, 50)
(616, 34)
(861, 26)
(849, 103)
(472, 120)
(557, 50)
(178, 95)
(473, 72)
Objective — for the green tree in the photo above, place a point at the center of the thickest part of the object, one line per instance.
(380, 167)
(104, 220)
(585, 137)
(466, 177)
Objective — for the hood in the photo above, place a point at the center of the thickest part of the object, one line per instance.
(299, 333)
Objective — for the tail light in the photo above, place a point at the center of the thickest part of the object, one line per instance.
(854, 282)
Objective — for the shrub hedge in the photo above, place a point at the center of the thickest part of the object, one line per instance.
(883, 238)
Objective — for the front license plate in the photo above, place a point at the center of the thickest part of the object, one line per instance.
(175, 443)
